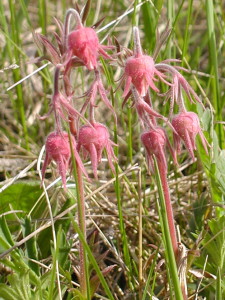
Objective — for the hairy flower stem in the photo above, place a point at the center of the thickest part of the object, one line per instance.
(82, 225)
(56, 92)
(137, 43)
(69, 92)
(169, 209)
(79, 24)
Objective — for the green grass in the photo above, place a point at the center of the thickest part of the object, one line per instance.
(127, 247)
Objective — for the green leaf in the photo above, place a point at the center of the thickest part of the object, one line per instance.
(214, 244)
(21, 196)
(77, 295)
(7, 293)
(220, 167)
(31, 245)
(6, 240)
(64, 250)
(18, 289)
(207, 120)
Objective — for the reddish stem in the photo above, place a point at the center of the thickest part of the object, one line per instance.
(69, 92)
(137, 43)
(76, 15)
(169, 209)
(82, 225)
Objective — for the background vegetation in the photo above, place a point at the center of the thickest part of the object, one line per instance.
(124, 239)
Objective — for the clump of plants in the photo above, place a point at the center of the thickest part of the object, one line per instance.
(79, 136)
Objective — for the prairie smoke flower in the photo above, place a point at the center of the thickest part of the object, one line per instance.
(155, 140)
(58, 149)
(187, 126)
(140, 70)
(94, 139)
(83, 42)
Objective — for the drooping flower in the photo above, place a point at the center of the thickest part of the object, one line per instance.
(83, 42)
(155, 141)
(94, 139)
(140, 70)
(58, 149)
(187, 126)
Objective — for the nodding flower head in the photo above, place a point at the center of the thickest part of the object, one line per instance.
(84, 43)
(94, 139)
(155, 140)
(58, 149)
(140, 71)
(187, 126)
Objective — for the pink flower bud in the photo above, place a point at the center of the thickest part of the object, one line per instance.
(140, 71)
(84, 43)
(94, 140)
(58, 149)
(187, 126)
(155, 141)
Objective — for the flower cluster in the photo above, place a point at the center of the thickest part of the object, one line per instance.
(80, 47)
(140, 74)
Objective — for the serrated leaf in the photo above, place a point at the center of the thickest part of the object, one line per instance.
(220, 167)
(214, 243)
(7, 293)
(19, 287)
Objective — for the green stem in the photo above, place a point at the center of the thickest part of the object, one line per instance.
(16, 72)
(42, 15)
(214, 68)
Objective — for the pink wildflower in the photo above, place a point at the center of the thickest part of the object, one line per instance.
(140, 70)
(187, 126)
(155, 140)
(94, 140)
(58, 149)
(83, 42)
